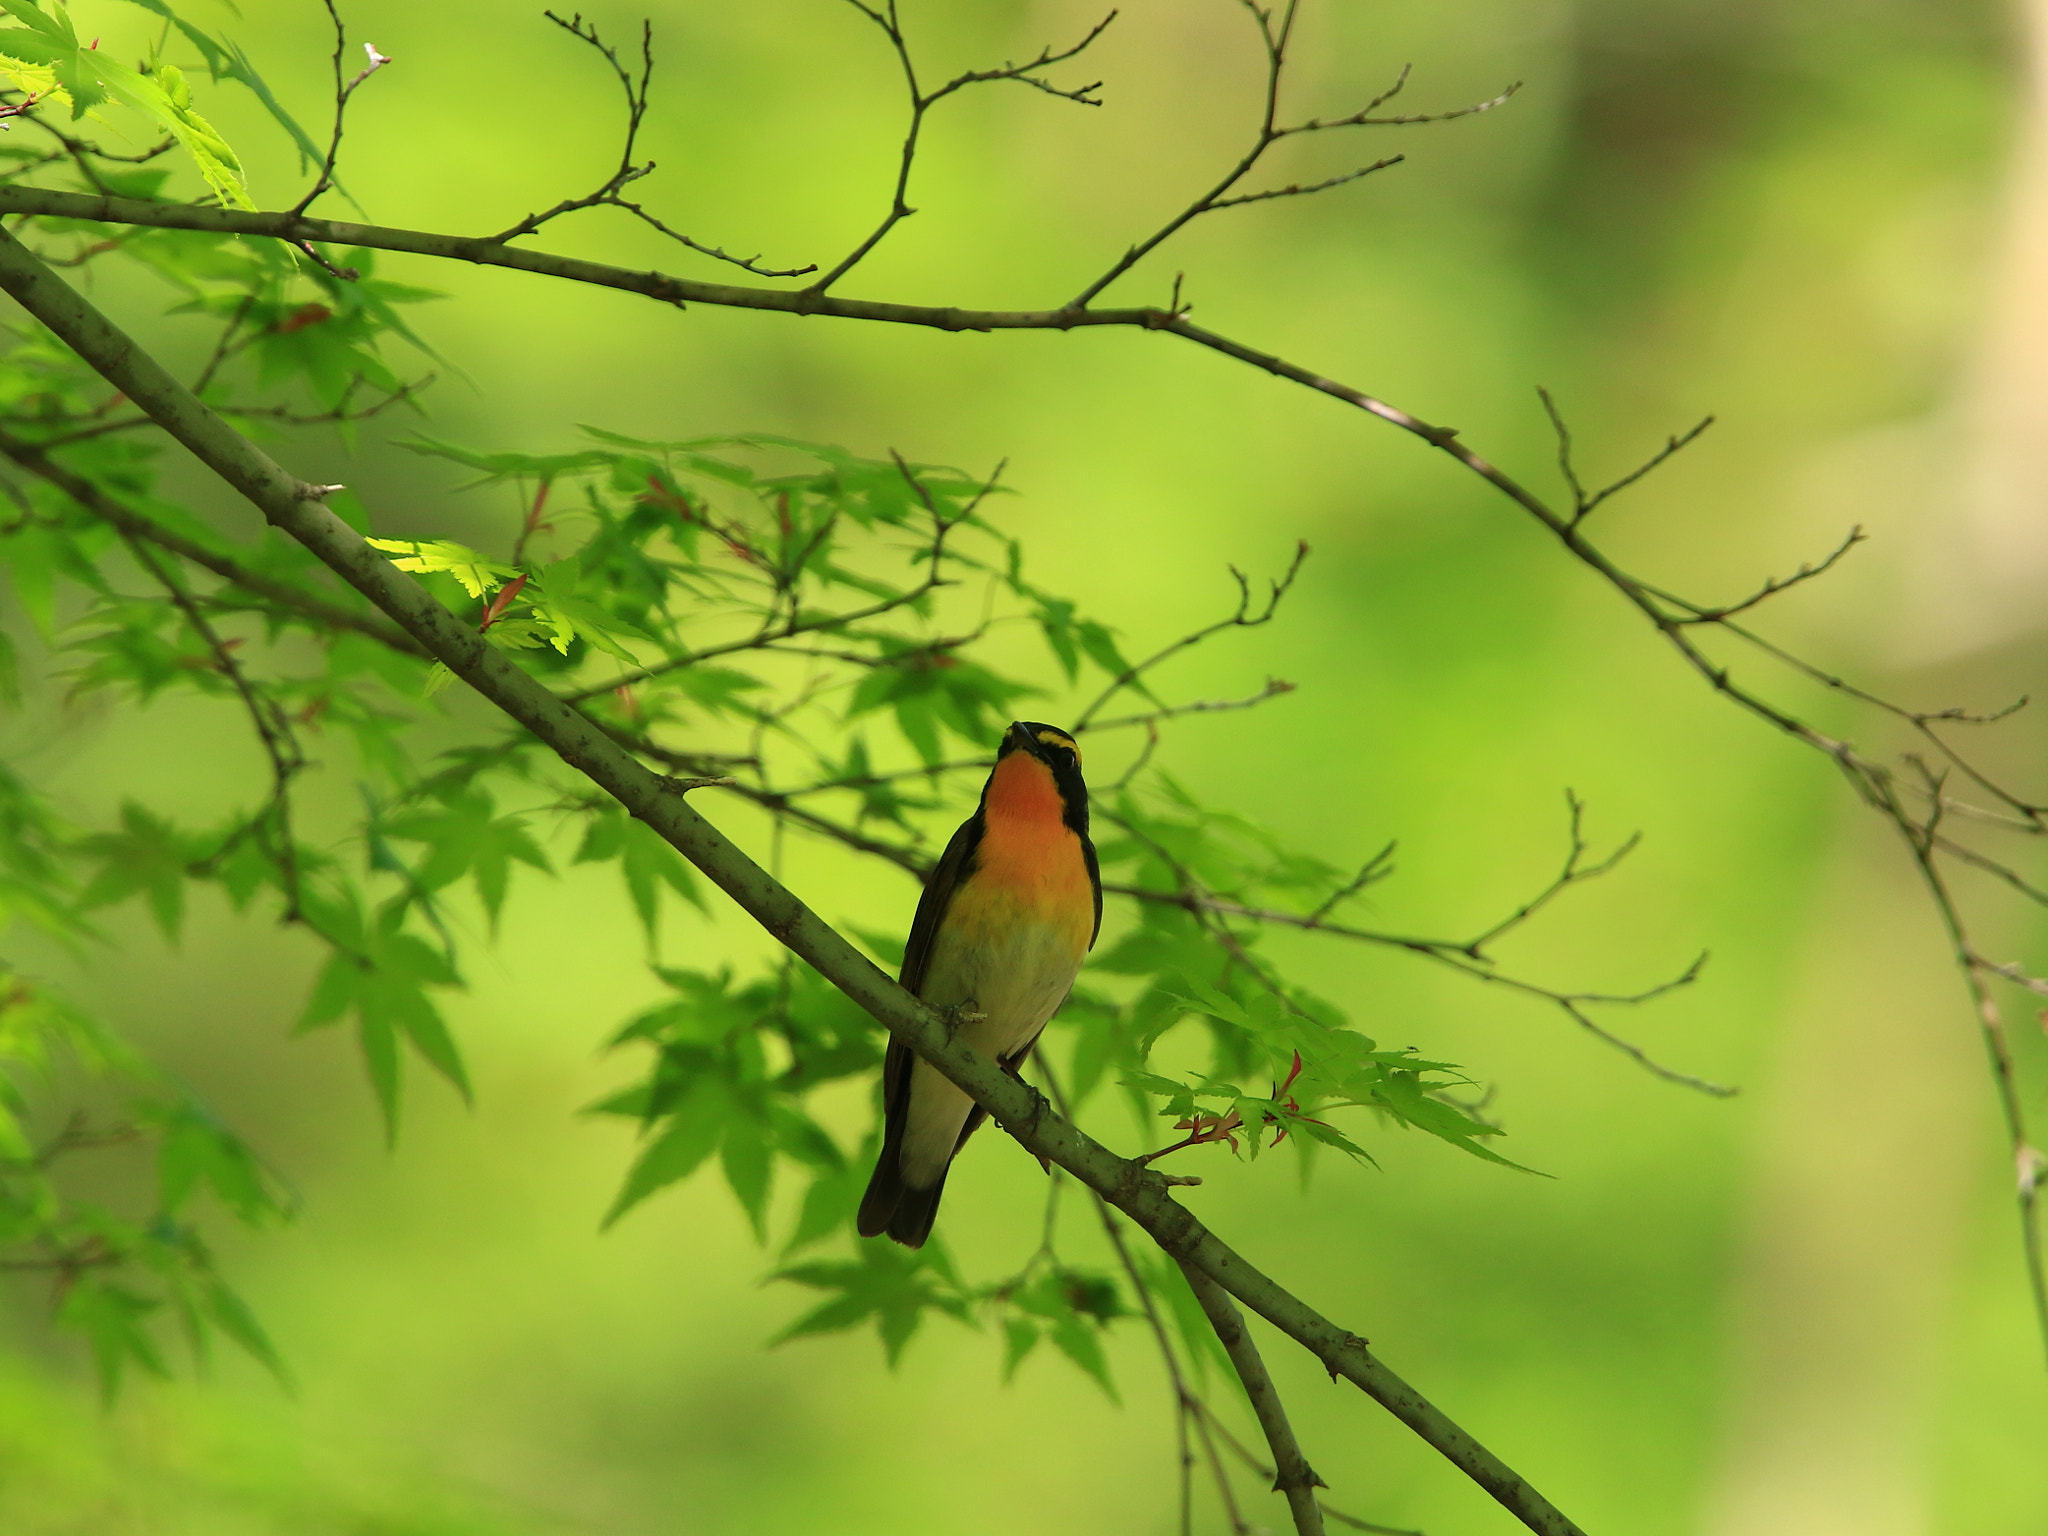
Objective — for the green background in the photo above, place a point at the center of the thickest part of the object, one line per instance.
(1798, 1312)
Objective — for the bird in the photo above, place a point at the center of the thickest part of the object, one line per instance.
(1008, 915)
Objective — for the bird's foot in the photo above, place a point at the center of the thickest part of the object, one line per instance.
(959, 1015)
(680, 786)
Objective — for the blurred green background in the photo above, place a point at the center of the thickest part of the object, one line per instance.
(1796, 1313)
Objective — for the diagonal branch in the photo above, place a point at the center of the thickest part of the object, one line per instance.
(1294, 1476)
(299, 509)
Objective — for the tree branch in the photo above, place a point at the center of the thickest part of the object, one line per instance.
(1294, 1477)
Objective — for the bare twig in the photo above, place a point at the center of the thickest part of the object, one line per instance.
(2017, 974)
(922, 101)
(1249, 614)
(1274, 35)
(343, 90)
(1275, 687)
(1772, 586)
(1583, 501)
(1301, 189)
(628, 172)
(1575, 872)
(1371, 872)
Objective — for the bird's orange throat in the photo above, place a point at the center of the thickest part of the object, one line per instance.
(1022, 792)
(1028, 855)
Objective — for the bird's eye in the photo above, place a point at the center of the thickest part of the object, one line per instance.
(1057, 739)
(1060, 741)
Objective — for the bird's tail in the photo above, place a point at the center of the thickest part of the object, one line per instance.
(899, 1209)
(890, 1205)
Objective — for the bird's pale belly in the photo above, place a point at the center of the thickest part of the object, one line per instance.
(1014, 968)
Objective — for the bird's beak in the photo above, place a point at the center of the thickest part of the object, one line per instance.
(1021, 738)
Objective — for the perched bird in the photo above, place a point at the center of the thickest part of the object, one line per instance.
(1000, 931)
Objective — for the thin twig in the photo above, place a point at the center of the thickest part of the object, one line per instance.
(1275, 688)
(1575, 872)
(1583, 501)
(1772, 586)
(273, 727)
(772, 632)
(922, 101)
(1249, 614)
(343, 90)
(628, 172)
(1275, 38)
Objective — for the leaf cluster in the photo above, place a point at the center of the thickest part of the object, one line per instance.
(113, 1268)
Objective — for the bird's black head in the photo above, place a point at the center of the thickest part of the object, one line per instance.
(1056, 749)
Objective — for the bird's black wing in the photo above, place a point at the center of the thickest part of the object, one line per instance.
(888, 1204)
(1095, 883)
(952, 869)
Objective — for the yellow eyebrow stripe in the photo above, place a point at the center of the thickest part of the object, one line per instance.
(1060, 739)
